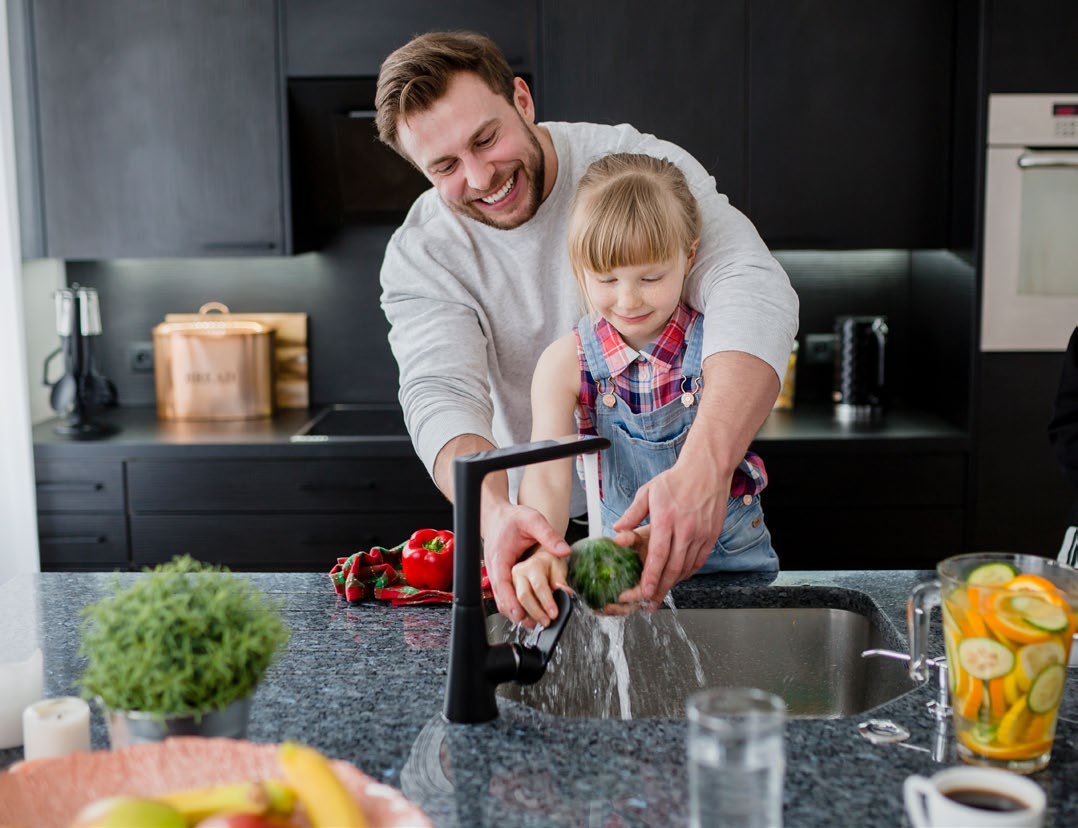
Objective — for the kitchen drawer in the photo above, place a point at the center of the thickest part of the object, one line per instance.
(839, 480)
(274, 542)
(374, 485)
(79, 486)
(82, 541)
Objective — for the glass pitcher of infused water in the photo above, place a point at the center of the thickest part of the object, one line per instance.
(1008, 625)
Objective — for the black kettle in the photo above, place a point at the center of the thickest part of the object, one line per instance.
(860, 386)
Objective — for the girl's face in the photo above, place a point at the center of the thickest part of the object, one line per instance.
(638, 300)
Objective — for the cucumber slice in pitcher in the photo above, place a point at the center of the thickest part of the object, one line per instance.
(985, 658)
(991, 573)
(1047, 689)
(1039, 613)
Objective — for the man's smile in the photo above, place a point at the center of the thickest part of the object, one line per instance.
(497, 197)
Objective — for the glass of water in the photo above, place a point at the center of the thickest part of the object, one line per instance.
(736, 758)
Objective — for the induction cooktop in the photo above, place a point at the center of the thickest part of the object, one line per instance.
(353, 423)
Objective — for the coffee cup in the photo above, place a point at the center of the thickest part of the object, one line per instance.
(974, 798)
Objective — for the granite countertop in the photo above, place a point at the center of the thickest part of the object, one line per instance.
(365, 683)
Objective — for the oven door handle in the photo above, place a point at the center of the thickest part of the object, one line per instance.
(1027, 160)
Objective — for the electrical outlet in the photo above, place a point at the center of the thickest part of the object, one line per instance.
(140, 357)
(820, 348)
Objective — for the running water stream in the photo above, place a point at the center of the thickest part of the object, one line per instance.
(593, 668)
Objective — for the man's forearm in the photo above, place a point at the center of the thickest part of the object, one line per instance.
(739, 391)
(495, 491)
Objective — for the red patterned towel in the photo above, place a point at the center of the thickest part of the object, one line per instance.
(378, 574)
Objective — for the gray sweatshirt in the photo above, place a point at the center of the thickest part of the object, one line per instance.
(472, 307)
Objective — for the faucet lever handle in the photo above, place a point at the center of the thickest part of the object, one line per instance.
(535, 654)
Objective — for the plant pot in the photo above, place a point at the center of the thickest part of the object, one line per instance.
(129, 727)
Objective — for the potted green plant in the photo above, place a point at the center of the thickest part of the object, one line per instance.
(179, 651)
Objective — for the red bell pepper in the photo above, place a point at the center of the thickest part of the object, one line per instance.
(427, 560)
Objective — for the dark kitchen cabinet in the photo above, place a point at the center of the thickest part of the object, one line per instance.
(846, 509)
(276, 514)
(1030, 46)
(679, 75)
(849, 122)
(827, 123)
(351, 38)
(159, 127)
(81, 521)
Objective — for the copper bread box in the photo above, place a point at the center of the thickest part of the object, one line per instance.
(214, 368)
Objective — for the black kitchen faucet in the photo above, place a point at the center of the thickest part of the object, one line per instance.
(476, 667)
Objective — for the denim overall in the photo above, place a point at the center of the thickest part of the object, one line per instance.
(645, 444)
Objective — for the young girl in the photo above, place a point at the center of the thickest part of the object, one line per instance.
(631, 369)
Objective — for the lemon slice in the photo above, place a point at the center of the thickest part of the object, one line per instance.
(1013, 723)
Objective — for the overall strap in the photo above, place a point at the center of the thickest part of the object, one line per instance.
(692, 363)
(593, 351)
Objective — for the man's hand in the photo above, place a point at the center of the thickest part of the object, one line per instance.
(687, 506)
(687, 502)
(508, 532)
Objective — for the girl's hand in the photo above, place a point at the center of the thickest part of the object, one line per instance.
(535, 580)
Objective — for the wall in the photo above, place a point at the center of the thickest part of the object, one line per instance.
(338, 288)
(18, 528)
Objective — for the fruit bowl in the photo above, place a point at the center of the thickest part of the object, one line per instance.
(48, 793)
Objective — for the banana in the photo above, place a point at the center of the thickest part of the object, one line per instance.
(197, 804)
(327, 801)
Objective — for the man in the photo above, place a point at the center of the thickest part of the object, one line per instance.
(477, 282)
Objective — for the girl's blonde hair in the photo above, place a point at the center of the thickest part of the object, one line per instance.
(630, 209)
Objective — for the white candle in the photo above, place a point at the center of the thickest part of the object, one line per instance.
(56, 727)
(20, 684)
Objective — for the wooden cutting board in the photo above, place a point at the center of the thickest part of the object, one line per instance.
(292, 389)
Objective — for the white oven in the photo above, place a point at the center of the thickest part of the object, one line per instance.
(1030, 264)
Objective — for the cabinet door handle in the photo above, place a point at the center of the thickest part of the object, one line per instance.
(71, 486)
(238, 246)
(74, 539)
(324, 488)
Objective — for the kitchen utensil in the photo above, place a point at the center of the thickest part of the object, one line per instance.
(860, 358)
(1007, 628)
(82, 387)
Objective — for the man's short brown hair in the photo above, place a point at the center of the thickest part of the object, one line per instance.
(417, 74)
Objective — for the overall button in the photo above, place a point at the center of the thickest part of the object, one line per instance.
(747, 500)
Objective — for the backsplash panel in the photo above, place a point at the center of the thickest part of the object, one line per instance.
(350, 360)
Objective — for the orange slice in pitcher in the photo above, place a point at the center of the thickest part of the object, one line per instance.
(1011, 624)
(1036, 583)
(1025, 750)
(970, 704)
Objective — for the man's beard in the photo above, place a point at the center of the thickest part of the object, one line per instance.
(533, 177)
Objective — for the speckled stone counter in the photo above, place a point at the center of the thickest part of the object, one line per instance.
(365, 682)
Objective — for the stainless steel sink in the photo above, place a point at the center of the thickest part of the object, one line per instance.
(808, 655)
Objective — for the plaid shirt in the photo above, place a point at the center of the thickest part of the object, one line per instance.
(649, 379)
